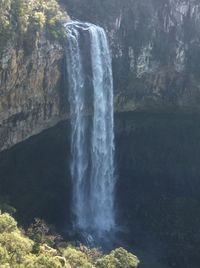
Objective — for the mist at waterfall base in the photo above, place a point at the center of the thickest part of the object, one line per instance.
(90, 83)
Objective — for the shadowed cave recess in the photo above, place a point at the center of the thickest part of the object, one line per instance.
(157, 190)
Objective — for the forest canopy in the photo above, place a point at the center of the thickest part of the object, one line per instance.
(28, 17)
(39, 248)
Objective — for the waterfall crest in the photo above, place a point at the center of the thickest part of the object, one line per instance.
(89, 72)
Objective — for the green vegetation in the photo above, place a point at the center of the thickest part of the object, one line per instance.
(17, 250)
(5, 205)
(118, 258)
(24, 19)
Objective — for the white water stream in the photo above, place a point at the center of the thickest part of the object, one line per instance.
(92, 139)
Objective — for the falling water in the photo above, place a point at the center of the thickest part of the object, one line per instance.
(92, 139)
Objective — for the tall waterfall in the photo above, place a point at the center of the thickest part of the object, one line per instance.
(90, 81)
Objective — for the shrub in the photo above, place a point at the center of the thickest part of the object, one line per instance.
(16, 245)
(16, 250)
(41, 233)
(5, 205)
(7, 223)
(77, 259)
(25, 18)
(93, 254)
(3, 256)
(118, 258)
(42, 261)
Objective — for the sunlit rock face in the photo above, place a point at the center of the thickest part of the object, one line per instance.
(156, 64)
(155, 46)
(30, 90)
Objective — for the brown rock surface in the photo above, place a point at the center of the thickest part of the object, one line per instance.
(30, 90)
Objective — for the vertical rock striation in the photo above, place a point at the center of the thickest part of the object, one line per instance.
(155, 49)
(30, 89)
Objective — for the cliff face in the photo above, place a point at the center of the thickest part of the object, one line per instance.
(157, 193)
(155, 46)
(156, 64)
(30, 88)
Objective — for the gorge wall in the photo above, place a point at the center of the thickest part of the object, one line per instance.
(158, 187)
(156, 55)
(155, 47)
(30, 89)
(158, 202)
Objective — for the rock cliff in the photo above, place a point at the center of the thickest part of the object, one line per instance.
(156, 52)
(31, 57)
(31, 92)
(156, 64)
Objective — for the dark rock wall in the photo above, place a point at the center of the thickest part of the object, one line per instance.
(158, 186)
(35, 177)
(157, 195)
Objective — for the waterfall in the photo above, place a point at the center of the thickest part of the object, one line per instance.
(89, 72)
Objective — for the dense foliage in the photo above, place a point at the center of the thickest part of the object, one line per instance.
(17, 250)
(29, 17)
